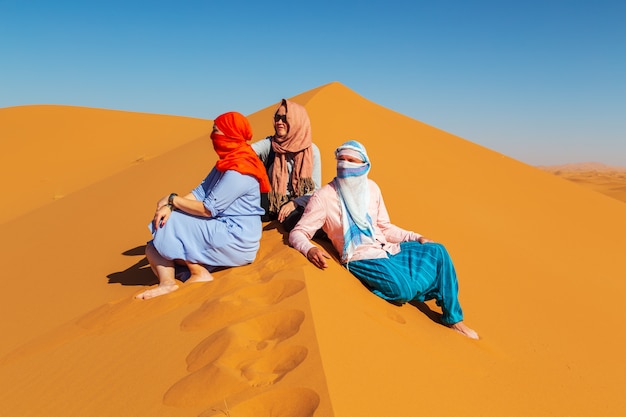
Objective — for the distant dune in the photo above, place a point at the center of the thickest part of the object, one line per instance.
(539, 261)
(606, 179)
(583, 166)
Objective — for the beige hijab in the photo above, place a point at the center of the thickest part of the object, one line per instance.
(298, 142)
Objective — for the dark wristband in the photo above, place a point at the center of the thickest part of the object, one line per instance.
(170, 200)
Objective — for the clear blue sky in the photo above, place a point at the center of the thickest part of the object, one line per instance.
(543, 81)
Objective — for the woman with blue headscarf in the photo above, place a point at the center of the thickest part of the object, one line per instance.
(395, 264)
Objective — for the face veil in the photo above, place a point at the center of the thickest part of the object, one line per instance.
(353, 192)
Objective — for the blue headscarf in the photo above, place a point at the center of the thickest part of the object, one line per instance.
(354, 197)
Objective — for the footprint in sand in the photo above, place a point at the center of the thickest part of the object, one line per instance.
(285, 402)
(240, 304)
(275, 364)
(238, 358)
(398, 318)
(255, 335)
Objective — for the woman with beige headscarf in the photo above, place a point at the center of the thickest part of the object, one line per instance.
(293, 163)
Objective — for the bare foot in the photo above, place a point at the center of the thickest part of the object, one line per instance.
(198, 273)
(155, 292)
(464, 330)
(200, 278)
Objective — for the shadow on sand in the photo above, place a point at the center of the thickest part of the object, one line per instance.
(138, 274)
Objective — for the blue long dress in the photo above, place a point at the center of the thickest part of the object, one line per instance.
(230, 237)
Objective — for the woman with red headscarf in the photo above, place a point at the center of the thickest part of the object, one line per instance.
(219, 222)
(293, 163)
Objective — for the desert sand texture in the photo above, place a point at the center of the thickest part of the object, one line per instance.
(539, 260)
(605, 179)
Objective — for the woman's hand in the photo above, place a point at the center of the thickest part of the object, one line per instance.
(316, 256)
(161, 215)
(423, 239)
(285, 210)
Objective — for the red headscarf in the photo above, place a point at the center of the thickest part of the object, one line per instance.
(235, 154)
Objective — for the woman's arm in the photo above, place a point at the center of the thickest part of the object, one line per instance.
(166, 204)
(230, 187)
(190, 205)
(262, 148)
(312, 220)
(317, 167)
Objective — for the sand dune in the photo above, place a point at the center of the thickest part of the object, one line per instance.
(539, 262)
(52, 151)
(605, 179)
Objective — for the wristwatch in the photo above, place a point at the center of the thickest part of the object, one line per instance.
(170, 200)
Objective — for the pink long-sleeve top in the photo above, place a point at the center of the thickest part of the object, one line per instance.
(323, 212)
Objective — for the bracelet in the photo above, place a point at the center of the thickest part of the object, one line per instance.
(170, 200)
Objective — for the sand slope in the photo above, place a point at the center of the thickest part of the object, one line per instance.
(53, 151)
(539, 261)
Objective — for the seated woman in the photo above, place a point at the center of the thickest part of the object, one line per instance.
(293, 164)
(395, 264)
(219, 222)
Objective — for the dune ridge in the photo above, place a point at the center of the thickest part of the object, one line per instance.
(281, 338)
(55, 150)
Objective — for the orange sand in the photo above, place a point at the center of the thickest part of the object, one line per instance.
(539, 262)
